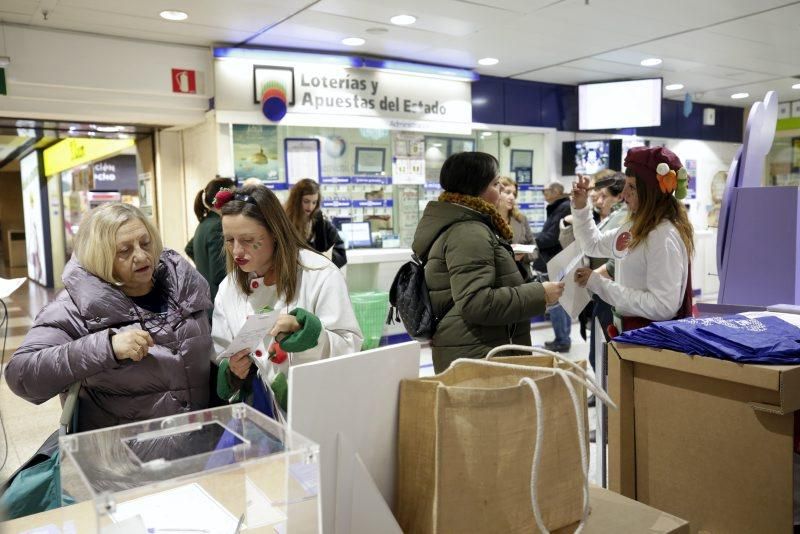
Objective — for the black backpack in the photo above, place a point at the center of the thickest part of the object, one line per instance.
(411, 301)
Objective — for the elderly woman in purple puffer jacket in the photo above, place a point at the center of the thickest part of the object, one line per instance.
(131, 326)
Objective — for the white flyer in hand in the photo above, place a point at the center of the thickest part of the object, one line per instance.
(562, 269)
(253, 332)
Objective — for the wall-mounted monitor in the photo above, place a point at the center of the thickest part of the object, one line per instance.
(589, 157)
(622, 104)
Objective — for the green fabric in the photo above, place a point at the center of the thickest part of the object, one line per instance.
(34, 489)
(208, 252)
(474, 267)
(280, 388)
(308, 335)
(224, 388)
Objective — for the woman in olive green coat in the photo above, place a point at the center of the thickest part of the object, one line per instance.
(473, 280)
(206, 247)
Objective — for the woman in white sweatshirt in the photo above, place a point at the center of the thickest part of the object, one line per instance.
(652, 249)
(270, 267)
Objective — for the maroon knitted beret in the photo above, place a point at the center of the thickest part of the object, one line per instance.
(643, 161)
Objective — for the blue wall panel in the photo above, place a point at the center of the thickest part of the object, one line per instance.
(525, 103)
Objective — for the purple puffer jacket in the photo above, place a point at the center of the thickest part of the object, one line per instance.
(70, 341)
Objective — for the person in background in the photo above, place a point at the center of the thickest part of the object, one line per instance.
(652, 250)
(303, 211)
(474, 284)
(507, 207)
(131, 325)
(206, 250)
(549, 246)
(206, 247)
(272, 268)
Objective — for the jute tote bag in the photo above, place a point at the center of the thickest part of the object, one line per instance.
(493, 446)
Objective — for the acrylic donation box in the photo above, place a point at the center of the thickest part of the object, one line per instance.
(221, 470)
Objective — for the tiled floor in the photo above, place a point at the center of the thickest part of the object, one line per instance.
(27, 426)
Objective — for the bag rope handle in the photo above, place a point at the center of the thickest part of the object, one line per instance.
(587, 379)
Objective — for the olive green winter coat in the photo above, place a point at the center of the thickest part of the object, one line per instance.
(475, 268)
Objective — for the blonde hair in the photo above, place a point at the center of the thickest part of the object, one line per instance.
(96, 242)
(508, 182)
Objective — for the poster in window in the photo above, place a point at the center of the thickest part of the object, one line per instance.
(255, 152)
(302, 159)
(370, 160)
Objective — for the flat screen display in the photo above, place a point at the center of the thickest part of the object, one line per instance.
(590, 157)
(625, 104)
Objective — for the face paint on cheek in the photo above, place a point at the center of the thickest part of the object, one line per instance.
(257, 245)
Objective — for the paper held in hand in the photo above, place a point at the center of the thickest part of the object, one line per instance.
(562, 269)
(253, 332)
(523, 249)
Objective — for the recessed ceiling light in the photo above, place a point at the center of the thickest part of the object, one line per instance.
(173, 15)
(488, 61)
(353, 41)
(650, 62)
(403, 20)
(739, 96)
(796, 86)
(674, 87)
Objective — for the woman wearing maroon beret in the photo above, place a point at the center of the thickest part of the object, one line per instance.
(652, 250)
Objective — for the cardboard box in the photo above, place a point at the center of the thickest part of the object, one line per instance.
(611, 512)
(708, 440)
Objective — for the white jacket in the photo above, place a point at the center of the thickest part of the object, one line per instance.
(321, 291)
(650, 280)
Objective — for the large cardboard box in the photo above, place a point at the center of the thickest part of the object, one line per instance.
(708, 440)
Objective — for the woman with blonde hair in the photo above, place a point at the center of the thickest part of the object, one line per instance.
(509, 212)
(652, 250)
(302, 207)
(131, 326)
(272, 268)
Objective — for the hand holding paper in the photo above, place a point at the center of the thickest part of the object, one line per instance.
(253, 332)
(562, 269)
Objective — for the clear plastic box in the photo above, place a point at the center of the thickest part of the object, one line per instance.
(221, 470)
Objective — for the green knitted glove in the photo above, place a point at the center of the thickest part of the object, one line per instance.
(308, 335)
(280, 388)
(224, 388)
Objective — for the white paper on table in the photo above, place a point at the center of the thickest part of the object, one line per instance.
(9, 285)
(562, 269)
(523, 249)
(186, 508)
(253, 332)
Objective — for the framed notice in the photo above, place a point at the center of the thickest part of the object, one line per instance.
(370, 160)
(302, 158)
(522, 165)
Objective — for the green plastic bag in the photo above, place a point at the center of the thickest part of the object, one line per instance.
(370, 309)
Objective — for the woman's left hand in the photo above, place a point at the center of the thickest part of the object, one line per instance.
(582, 275)
(286, 324)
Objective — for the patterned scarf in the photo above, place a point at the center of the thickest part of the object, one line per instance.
(481, 206)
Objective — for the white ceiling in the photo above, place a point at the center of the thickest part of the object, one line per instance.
(713, 47)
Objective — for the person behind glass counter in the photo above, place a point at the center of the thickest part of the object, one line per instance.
(474, 283)
(652, 250)
(302, 207)
(206, 247)
(509, 212)
(272, 268)
(131, 325)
